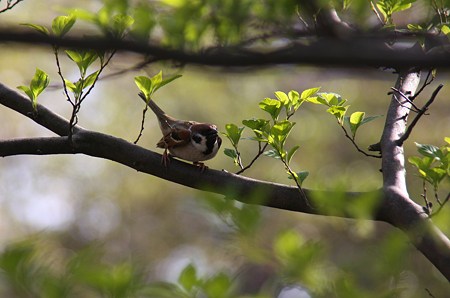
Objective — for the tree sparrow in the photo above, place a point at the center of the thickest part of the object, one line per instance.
(188, 140)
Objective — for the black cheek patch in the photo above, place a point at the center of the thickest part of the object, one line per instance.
(197, 138)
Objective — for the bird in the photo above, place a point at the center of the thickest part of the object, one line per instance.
(188, 140)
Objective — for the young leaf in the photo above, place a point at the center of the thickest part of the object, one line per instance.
(144, 84)
(230, 153)
(279, 132)
(27, 91)
(82, 58)
(338, 112)
(233, 133)
(120, 23)
(429, 150)
(167, 81)
(38, 28)
(309, 92)
(271, 106)
(62, 24)
(90, 80)
(447, 140)
(355, 121)
(282, 97)
(71, 86)
(38, 84)
(370, 118)
(291, 153)
(272, 153)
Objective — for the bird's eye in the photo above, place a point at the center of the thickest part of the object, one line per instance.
(197, 138)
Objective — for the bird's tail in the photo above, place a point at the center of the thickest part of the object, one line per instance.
(155, 108)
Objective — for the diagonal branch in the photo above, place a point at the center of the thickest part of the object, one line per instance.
(394, 205)
(416, 119)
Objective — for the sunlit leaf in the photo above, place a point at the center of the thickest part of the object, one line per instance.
(144, 84)
(282, 97)
(355, 121)
(271, 106)
(38, 28)
(309, 92)
(62, 24)
(234, 133)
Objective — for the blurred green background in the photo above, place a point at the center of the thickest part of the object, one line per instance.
(67, 206)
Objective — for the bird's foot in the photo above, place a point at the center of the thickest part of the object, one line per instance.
(201, 165)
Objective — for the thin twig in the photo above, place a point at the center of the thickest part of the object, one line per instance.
(416, 109)
(356, 145)
(142, 124)
(425, 84)
(428, 205)
(260, 152)
(442, 204)
(422, 111)
(10, 5)
(374, 9)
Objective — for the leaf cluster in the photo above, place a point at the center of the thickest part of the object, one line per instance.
(433, 167)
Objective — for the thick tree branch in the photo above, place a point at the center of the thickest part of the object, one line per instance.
(394, 205)
(401, 211)
(354, 51)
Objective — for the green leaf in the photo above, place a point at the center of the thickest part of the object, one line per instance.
(62, 24)
(291, 153)
(39, 82)
(447, 140)
(429, 150)
(188, 277)
(82, 58)
(167, 81)
(234, 133)
(282, 97)
(144, 84)
(272, 153)
(271, 106)
(91, 79)
(309, 92)
(38, 28)
(230, 152)
(445, 29)
(71, 86)
(120, 23)
(256, 124)
(370, 118)
(355, 121)
(279, 132)
(302, 175)
(27, 91)
(338, 112)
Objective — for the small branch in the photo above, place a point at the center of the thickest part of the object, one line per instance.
(443, 204)
(362, 50)
(10, 5)
(374, 9)
(428, 205)
(356, 145)
(260, 152)
(428, 80)
(416, 119)
(144, 111)
(416, 109)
